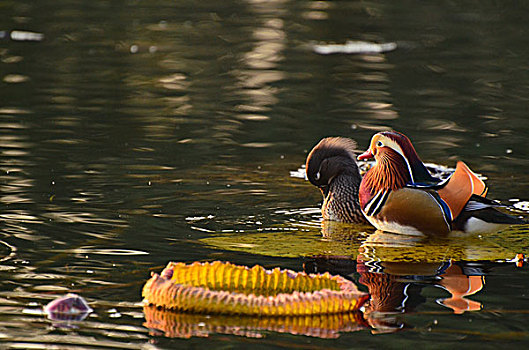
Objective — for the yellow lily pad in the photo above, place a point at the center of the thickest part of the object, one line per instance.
(225, 288)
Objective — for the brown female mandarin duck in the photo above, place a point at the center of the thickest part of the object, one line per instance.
(399, 195)
(331, 166)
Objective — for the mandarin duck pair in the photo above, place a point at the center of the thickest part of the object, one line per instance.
(398, 194)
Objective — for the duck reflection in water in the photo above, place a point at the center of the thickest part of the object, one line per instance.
(395, 287)
(460, 283)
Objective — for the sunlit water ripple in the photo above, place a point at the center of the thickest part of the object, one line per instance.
(167, 131)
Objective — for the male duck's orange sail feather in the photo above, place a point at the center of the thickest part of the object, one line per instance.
(461, 186)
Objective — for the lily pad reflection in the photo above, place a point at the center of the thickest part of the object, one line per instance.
(182, 325)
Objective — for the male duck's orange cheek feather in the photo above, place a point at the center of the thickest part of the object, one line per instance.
(389, 173)
(461, 186)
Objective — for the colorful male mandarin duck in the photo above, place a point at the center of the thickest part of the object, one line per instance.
(399, 195)
(331, 166)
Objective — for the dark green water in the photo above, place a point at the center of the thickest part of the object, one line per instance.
(141, 132)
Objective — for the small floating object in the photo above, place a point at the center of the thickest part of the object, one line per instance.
(518, 260)
(71, 307)
(21, 35)
(523, 205)
(225, 288)
(354, 47)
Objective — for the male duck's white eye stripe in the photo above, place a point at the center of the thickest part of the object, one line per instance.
(380, 144)
(396, 147)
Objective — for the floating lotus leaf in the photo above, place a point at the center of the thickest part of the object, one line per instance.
(282, 243)
(185, 325)
(226, 288)
(347, 239)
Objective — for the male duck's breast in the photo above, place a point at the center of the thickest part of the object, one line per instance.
(411, 211)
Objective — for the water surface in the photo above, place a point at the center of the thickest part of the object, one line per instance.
(137, 133)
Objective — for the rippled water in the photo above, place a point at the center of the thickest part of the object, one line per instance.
(134, 133)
